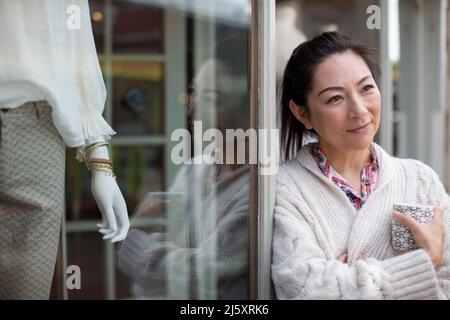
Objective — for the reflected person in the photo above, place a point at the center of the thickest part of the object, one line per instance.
(220, 201)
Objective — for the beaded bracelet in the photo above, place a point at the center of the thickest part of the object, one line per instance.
(100, 166)
(95, 146)
(88, 151)
(99, 160)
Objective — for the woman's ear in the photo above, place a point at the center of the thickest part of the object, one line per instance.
(300, 114)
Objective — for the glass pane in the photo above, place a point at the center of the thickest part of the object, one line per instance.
(139, 169)
(97, 9)
(138, 98)
(80, 203)
(137, 27)
(189, 230)
(200, 251)
(346, 16)
(87, 251)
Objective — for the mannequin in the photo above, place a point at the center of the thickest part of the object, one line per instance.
(52, 96)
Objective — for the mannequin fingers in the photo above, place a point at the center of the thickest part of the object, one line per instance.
(102, 225)
(112, 223)
(105, 231)
(110, 235)
(121, 236)
(122, 232)
(120, 208)
(104, 222)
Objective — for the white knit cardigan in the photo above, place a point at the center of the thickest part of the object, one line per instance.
(314, 223)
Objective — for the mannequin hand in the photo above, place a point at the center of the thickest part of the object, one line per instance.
(115, 222)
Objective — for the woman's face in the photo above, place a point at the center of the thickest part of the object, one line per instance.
(344, 96)
(220, 97)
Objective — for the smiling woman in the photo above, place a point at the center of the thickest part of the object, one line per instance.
(335, 197)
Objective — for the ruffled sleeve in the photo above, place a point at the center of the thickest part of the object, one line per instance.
(90, 83)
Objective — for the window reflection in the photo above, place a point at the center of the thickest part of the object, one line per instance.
(196, 247)
(97, 9)
(137, 98)
(79, 201)
(86, 250)
(202, 253)
(138, 170)
(137, 27)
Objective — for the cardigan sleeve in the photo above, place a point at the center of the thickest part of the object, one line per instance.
(437, 196)
(300, 269)
(162, 267)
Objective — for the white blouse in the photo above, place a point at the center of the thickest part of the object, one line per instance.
(47, 52)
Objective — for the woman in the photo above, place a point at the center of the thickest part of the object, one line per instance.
(335, 197)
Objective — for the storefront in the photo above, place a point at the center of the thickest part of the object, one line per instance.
(169, 63)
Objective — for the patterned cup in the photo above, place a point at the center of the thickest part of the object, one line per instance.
(402, 238)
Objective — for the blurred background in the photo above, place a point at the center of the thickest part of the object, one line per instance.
(151, 50)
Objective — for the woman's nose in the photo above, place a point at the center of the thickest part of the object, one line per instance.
(357, 107)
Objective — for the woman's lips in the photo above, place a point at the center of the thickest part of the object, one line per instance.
(361, 129)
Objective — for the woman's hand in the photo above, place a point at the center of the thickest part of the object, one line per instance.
(428, 236)
(344, 257)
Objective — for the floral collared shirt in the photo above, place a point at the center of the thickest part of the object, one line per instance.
(369, 176)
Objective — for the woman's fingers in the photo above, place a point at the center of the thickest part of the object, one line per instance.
(438, 216)
(343, 258)
(407, 221)
(428, 236)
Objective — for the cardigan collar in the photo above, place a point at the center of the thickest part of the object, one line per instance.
(385, 163)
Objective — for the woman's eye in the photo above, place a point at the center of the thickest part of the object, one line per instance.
(368, 87)
(334, 99)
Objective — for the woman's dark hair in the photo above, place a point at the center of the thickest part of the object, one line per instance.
(298, 78)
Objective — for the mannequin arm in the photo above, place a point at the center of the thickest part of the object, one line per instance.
(115, 222)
